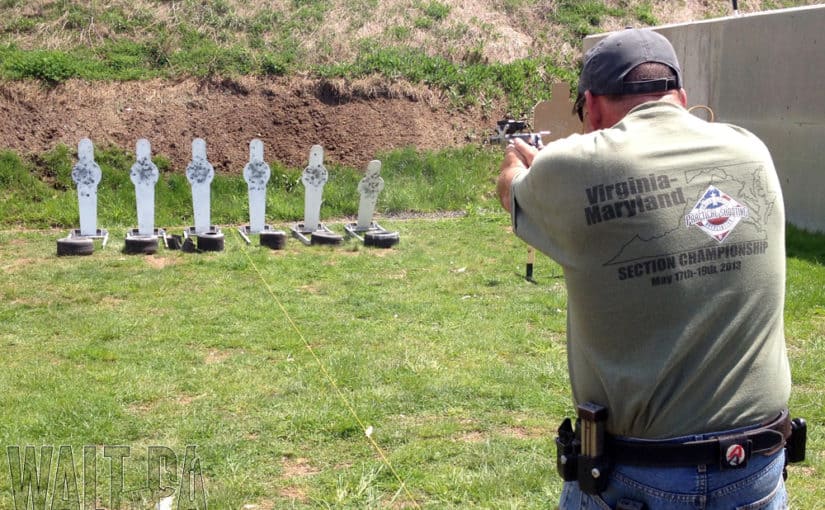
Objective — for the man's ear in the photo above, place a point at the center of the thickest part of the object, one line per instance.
(593, 112)
(683, 97)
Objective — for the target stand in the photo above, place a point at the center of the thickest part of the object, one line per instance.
(365, 229)
(312, 231)
(200, 173)
(144, 175)
(256, 173)
(147, 244)
(77, 243)
(86, 174)
(373, 235)
(318, 236)
(268, 236)
(211, 239)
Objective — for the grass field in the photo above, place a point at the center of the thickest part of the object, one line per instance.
(429, 375)
(439, 345)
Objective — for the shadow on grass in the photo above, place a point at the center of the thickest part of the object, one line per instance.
(805, 245)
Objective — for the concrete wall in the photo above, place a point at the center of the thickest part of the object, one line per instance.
(766, 73)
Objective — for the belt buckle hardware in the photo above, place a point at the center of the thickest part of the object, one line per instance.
(734, 451)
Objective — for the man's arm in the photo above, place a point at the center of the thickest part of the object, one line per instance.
(518, 157)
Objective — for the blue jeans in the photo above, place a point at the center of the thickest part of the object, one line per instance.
(758, 486)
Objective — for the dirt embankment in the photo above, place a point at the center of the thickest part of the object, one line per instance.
(288, 115)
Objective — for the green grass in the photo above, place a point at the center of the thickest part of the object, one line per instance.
(274, 363)
(440, 345)
(426, 43)
(114, 350)
(415, 181)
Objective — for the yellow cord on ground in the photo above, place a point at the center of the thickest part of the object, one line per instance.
(331, 380)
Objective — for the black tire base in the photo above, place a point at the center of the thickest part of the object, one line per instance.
(140, 245)
(273, 239)
(69, 246)
(329, 238)
(210, 241)
(381, 239)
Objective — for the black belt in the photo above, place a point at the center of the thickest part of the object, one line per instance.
(728, 451)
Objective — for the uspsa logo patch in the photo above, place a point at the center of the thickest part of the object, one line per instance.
(716, 213)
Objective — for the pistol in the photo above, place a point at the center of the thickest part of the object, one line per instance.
(509, 129)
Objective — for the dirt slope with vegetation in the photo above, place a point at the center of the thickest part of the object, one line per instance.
(289, 115)
(291, 73)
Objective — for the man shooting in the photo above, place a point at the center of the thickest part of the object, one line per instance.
(670, 231)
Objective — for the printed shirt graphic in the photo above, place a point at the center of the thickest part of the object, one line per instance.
(737, 198)
(674, 268)
(716, 213)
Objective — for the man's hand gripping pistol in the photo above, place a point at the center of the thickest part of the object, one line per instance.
(509, 129)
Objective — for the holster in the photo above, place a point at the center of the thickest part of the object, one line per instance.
(567, 451)
(593, 474)
(580, 454)
(796, 444)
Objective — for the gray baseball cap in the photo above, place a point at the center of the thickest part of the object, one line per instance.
(607, 63)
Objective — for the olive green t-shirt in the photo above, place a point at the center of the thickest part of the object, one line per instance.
(670, 231)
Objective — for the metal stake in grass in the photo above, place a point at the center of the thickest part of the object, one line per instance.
(555, 118)
(531, 258)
